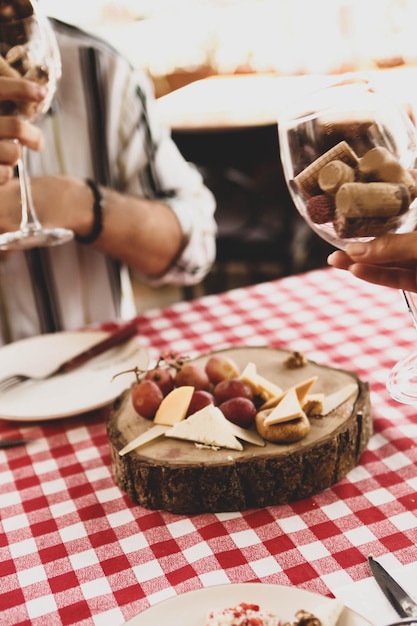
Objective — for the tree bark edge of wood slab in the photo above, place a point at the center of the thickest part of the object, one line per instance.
(184, 480)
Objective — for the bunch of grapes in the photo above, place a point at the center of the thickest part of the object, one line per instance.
(216, 383)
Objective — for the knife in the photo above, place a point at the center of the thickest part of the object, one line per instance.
(115, 338)
(14, 442)
(399, 599)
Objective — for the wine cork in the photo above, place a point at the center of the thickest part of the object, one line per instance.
(379, 164)
(307, 180)
(372, 200)
(334, 174)
(350, 227)
(321, 209)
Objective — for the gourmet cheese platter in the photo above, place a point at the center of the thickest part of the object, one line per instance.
(235, 429)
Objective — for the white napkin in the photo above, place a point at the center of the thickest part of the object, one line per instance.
(366, 598)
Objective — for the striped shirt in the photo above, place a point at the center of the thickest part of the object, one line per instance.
(102, 125)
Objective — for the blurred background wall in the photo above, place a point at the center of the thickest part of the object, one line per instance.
(261, 236)
(224, 36)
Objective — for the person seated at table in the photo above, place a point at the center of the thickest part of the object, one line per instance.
(157, 212)
(389, 260)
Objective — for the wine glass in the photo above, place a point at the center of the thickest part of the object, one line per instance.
(347, 154)
(28, 50)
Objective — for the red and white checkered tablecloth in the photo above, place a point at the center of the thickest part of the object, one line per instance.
(75, 550)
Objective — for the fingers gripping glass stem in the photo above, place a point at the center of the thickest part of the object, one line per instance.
(30, 220)
(31, 234)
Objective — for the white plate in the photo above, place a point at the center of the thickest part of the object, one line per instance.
(87, 388)
(192, 608)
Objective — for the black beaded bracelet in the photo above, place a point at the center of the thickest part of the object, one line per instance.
(98, 216)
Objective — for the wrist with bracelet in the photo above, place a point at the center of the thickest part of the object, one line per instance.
(97, 226)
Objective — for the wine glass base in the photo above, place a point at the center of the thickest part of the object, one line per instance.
(42, 238)
(402, 380)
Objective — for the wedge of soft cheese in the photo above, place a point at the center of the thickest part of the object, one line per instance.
(334, 400)
(250, 376)
(288, 409)
(302, 389)
(141, 440)
(174, 406)
(249, 436)
(266, 388)
(207, 426)
(260, 385)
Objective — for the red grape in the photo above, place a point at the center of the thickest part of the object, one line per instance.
(232, 388)
(162, 377)
(193, 375)
(199, 400)
(221, 367)
(240, 411)
(146, 397)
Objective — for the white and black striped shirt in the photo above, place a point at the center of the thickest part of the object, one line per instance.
(102, 126)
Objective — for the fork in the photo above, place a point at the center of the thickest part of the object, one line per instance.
(116, 338)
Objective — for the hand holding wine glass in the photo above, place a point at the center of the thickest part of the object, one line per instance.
(348, 154)
(15, 132)
(28, 51)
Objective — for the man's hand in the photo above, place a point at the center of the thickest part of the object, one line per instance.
(13, 130)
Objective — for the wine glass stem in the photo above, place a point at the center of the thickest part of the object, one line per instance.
(30, 220)
(411, 307)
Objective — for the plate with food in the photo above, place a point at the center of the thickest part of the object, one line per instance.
(277, 428)
(231, 605)
(90, 386)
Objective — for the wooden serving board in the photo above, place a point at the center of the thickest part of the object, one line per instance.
(179, 477)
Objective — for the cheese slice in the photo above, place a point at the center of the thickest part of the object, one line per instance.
(288, 409)
(250, 376)
(259, 384)
(334, 400)
(249, 436)
(149, 435)
(266, 388)
(174, 406)
(207, 426)
(301, 388)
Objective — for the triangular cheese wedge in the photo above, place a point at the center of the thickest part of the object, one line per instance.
(302, 388)
(250, 376)
(149, 435)
(259, 384)
(288, 409)
(207, 426)
(174, 406)
(334, 400)
(266, 388)
(246, 435)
